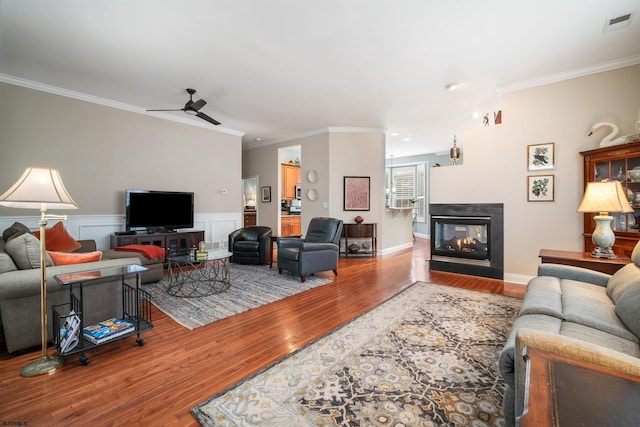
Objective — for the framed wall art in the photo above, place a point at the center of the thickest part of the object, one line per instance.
(357, 191)
(540, 188)
(266, 194)
(541, 156)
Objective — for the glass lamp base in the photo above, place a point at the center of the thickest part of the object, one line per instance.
(44, 365)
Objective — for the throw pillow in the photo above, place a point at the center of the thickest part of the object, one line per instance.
(66, 258)
(25, 251)
(627, 309)
(15, 230)
(57, 239)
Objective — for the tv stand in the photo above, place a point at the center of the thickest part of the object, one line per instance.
(173, 242)
(159, 231)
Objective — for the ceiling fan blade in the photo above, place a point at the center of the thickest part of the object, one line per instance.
(207, 118)
(179, 109)
(196, 105)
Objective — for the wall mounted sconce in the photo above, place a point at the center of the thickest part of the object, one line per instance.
(455, 152)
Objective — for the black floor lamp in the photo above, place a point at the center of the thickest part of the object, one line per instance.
(40, 188)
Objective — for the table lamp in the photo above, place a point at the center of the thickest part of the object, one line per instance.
(40, 188)
(603, 197)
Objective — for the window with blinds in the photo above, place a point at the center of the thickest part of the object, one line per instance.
(406, 188)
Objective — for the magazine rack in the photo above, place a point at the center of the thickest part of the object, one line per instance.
(136, 305)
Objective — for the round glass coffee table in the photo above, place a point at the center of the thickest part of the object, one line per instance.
(192, 278)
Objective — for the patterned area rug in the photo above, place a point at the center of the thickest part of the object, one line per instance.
(427, 357)
(251, 286)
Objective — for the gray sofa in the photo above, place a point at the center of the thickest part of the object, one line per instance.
(578, 313)
(20, 293)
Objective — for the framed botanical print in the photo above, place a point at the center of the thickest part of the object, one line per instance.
(540, 188)
(541, 156)
(357, 191)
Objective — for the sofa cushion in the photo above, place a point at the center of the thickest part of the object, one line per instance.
(251, 246)
(627, 276)
(594, 314)
(58, 239)
(6, 263)
(66, 258)
(16, 229)
(628, 309)
(25, 251)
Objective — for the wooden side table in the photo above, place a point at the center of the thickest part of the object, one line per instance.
(359, 232)
(566, 392)
(583, 259)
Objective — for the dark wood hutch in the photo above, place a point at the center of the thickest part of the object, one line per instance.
(614, 163)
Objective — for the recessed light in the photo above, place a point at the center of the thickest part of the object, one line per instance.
(258, 139)
(451, 86)
(395, 134)
(476, 115)
(407, 139)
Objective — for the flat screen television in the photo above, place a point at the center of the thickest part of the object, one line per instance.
(151, 210)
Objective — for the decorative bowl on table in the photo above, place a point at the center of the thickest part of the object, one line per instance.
(353, 248)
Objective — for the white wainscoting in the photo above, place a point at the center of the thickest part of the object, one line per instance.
(216, 226)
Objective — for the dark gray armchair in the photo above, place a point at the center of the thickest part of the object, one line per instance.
(250, 245)
(317, 252)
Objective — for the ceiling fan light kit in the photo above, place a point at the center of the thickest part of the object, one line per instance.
(193, 108)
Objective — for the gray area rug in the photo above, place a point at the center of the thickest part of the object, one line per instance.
(426, 357)
(251, 286)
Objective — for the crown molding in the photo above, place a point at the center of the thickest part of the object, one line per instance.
(16, 81)
(331, 129)
(572, 74)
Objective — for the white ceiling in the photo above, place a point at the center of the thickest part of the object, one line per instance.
(282, 68)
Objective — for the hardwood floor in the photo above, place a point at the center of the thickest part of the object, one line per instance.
(158, 383)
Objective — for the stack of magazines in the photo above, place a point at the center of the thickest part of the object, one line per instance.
(69, 332)
(107, 330)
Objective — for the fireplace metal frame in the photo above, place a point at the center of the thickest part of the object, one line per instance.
(493, 267)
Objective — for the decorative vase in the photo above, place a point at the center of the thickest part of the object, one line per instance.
(358, 219)
(353, 248)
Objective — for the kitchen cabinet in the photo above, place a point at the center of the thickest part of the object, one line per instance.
(614, 163)
(290, 224)
(290, 175)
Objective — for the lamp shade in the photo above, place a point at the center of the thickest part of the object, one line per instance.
(605, 196)
(38, 188)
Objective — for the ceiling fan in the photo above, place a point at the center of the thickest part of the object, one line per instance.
(193, 108)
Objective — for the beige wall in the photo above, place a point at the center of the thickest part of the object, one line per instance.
(333, 154)
(101, 151)
(495, 165)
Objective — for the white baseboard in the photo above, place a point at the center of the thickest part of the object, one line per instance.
(517, 278)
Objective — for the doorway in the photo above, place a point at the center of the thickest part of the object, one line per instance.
(290, 159)
(249, 198)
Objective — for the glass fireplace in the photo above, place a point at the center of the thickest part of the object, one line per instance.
(465, 239)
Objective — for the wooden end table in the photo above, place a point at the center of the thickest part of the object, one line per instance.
(583, 259)
(565, 392)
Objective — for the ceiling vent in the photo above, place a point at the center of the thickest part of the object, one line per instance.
(617, 23)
